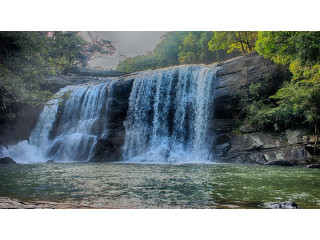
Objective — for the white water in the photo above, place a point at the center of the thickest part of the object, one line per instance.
(169, 112)
(67, 130)
(167, 121)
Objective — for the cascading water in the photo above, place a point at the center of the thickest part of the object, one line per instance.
(168, 120)
(68, 127)
(169, 114)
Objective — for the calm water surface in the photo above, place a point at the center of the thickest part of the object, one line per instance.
(112, 185)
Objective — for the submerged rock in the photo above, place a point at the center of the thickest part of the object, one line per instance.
(315, 165)
(281, 163)
(282, 205)
(50, 161)
(7, 160)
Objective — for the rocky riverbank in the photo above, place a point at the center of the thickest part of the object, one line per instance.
(293, 147)
(7, 203)
(288, 148)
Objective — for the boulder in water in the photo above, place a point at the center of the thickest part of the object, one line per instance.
(50, 161)
(281, 163)
(315, 165)
(282, 205)
(7, 160)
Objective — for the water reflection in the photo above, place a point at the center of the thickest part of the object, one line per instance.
(161, 186)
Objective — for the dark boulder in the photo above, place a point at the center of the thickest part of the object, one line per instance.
(50, 161)
(281, 163)
(7, 160)
(109, 149)
(282, 205)
(315, 165)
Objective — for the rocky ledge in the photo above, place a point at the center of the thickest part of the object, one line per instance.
(7, 160)
(282, 205)
(7, 203)
(288, 148)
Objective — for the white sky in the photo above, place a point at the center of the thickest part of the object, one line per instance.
(128, 43)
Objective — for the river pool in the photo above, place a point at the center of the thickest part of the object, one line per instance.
(123, 185)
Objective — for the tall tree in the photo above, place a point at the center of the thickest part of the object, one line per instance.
(243, 41)
(26, 57)
(300, 97)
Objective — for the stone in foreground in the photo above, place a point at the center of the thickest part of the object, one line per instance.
(282, 205)
(314, 165)
(7, 203)
(7, 160)
(280, 163)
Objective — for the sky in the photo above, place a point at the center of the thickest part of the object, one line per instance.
(127, 43)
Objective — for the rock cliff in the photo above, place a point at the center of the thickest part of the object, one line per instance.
(239, 72)
(288, 148)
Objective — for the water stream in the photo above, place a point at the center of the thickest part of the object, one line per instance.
(167, 121)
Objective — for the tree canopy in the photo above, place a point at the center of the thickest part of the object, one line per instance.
(243, 41)
(25, 57)
(297, 101)
(177, 48)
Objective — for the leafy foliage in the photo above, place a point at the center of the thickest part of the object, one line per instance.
(243, 41)
(25, 57)
(298, 100)
(177, 48)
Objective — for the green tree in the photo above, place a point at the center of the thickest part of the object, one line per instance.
(177, 48)
(72, 50)
(26, 57)
(300, 97)
(243, 41)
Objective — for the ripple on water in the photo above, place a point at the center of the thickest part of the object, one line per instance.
(111, 185)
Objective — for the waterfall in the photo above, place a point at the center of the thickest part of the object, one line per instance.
(69, 126)
(161, 116)
(169, 115)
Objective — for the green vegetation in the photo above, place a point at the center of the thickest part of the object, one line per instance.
(234, 41)
(178, 48)
(25, 57)
(297, 100)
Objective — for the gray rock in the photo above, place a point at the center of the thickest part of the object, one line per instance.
(7, 160)
(239, 72)
(295, 136)
(261, 160)
(255, 141)
(281, 163)
(315, 165)
(261, 148)
(282, 205)
(7, 203)
(246, 128)
(110, 149)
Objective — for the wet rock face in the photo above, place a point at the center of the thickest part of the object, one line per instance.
(240, 72)
(261, 148)
(7, 160)
(110, 149)
(282, 205)
(295, 136)
(255, 141)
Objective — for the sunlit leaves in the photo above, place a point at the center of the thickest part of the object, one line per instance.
(243, 41)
